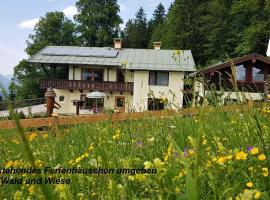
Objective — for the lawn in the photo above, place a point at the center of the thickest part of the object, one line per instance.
(211, 155)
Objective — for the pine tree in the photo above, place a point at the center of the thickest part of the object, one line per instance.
(136, 31)
(155, 24)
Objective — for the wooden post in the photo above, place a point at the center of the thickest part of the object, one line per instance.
(50, 100)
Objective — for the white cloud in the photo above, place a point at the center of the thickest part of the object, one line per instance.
(28, 24)
(70, 11)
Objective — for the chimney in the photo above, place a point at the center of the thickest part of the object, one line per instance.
(157, 45)
(117, 43)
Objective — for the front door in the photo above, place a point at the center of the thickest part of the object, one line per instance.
(120, 103)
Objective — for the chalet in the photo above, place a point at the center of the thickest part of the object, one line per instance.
(241, 79)
(129, 79)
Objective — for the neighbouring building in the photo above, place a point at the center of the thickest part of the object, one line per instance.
(239, 79)
(131, 79)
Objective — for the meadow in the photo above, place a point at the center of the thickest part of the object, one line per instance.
(210, 155)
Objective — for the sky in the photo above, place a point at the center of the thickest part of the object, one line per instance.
(18, 17)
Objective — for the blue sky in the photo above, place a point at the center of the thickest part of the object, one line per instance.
(17, 18)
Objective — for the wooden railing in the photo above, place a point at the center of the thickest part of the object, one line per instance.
(22, 103)
(87, 85)
(116, 117)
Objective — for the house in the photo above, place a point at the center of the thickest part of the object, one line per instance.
(131, 79)
(239, 79)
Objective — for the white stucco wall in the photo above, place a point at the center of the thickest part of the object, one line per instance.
(172, 92)
(67, 106)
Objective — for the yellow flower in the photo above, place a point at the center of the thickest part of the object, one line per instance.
(116, 137)
(38, 163)
(221, 160)
(110, 185)
(140, 177)
(254, 151)
(265, 171)
(241, 155)
(261, 157)
(91, 148)
(177, 190)
(132, 178)
(229, 157)
(257, 195)
(147, 164)
(45, 135)
(77, 160)
(249, 184)
(158, 163)
(31, 189)
(9, 164)
(32, 136)
(169, 152)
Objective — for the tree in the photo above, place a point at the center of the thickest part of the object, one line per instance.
(182, 26)
(53, 29)
(136, 31)
(98, 22)
(155, 24)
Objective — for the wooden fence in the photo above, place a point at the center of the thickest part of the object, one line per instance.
(60, 120)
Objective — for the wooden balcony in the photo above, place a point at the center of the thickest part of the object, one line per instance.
(87, 85)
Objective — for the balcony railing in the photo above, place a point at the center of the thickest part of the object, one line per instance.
(87, 85)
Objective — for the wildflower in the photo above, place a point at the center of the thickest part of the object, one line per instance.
(91, 147)
(257, 195)
(151, 140)
(251, 168)
(38, 163)
(254, 151)
(45, 135)
(31, 189)
(221, 160)
(9, 164)
(140, 177)
(241, 155)
(158, 163)
(229, 157)
(249, 184)
(15, 141)
(77, 160)
(132, 178)
(177, 190)
(119, 186)
(261, 157)
(139, 143)
(169, 152)
(249, 148)
(147, 164)
(110, 185)
(265, 171)
(32, 136)
(172, 127)
(116, 136)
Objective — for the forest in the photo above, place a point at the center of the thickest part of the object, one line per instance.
(214, 30)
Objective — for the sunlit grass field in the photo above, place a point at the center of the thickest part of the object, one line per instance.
(210, 155)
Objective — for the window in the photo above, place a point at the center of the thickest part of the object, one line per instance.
(155, 104)
(92, 74)
(241, 73)
(90, 103)
(257, 73)
(120, 76)
(158, 78)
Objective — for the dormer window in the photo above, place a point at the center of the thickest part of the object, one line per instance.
(241, 73)
(257, 73)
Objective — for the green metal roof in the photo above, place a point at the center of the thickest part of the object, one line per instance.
(133, 59)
